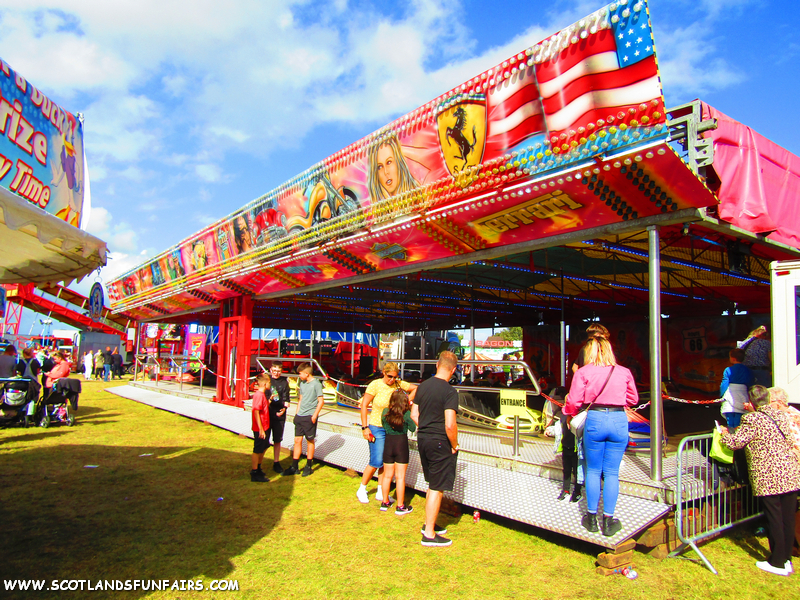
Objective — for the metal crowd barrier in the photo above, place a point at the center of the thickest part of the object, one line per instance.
(707, 503)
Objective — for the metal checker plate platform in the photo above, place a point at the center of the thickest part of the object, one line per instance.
(494, 488)
(536, 455)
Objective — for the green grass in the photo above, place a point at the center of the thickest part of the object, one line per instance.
(189, 511)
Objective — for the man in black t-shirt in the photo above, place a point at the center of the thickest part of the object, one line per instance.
(434, 410)
(278, 405)
(107, 362)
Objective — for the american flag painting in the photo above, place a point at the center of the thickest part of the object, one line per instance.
(602, 75)
(514, 113)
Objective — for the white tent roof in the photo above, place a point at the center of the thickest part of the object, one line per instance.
(36, 247)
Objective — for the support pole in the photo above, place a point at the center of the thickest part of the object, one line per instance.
(563, 331)
(656, 416)
(472, 336)
(563, 354)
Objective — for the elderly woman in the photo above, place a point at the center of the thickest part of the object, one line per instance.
(766, 436)
(377, 396)
(607, 388)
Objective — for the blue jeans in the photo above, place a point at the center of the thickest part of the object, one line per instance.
(376, 447)
(106, 372)
(733, 419)
(605, 438)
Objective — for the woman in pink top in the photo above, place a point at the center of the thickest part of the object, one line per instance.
(60, 371)
(609, 388)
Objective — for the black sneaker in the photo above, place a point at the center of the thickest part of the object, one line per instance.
(589, 522)
(403, 509)
(436, 529)
(562, 495)
(291, 471)
(257, 477)
(277, 468)
(307, 470)
(386, 506)
(436, 541)
(611, 526)
(576, 497)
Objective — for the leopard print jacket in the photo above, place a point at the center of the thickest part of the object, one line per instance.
(773, 467)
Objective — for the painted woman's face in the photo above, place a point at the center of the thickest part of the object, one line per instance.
(387, 170)
(241, 223)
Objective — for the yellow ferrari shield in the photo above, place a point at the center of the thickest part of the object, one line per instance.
(462, 134)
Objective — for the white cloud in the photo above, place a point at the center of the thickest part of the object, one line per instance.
(233, 134)
(119, 236)
(689, 61)
(208, 172)
(99, 221)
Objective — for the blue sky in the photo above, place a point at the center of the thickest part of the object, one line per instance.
(191, 114)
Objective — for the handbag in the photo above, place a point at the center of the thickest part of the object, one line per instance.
(578, 421)
(720, 451)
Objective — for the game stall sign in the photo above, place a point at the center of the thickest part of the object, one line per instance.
(41, 148)
(566, 135)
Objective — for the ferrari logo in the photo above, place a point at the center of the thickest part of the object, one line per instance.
(462, 134)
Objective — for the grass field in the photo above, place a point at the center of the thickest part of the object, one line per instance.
(170, 498)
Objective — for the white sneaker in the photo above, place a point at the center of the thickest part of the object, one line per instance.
(361, 494)
(765, 566)
(788, 566)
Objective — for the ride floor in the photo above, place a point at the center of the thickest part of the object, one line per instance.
(490, 477)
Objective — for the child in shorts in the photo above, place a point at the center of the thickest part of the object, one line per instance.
(309, 405)
(396, 420)
(260, 427)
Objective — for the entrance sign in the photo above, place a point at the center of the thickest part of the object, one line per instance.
(41, 148)
(565, 135)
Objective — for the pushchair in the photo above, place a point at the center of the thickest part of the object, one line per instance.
(19, 401)
(60, 402)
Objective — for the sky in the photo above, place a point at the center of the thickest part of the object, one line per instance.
(192, 113)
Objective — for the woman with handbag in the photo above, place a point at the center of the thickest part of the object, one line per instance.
(766, 436)
(607, 388)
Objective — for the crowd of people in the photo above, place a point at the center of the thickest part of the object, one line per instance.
(594, 436)
(759, 420)
(36, 361)
(54, 363)
(102, 364)
(398, 408)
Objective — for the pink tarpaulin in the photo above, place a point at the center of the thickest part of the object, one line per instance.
(760, 181)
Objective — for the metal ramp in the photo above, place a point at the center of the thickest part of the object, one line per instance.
(489, 478)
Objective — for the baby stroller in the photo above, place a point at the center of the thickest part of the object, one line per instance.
(20, 401)
(60, 402)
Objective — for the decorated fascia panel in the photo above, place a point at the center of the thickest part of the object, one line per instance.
(41, 148)
(459, 167)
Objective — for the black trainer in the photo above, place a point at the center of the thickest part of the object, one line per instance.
(403, 509)
(257, 477)
(307, 470)
(589, 522)
(576, 496)
(436, 541)
(277, 468)
(386, 505)
(436, 529)
(291, 471)
(562, 495)
(610, 526)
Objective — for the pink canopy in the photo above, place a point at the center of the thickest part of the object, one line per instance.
(760, 181)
